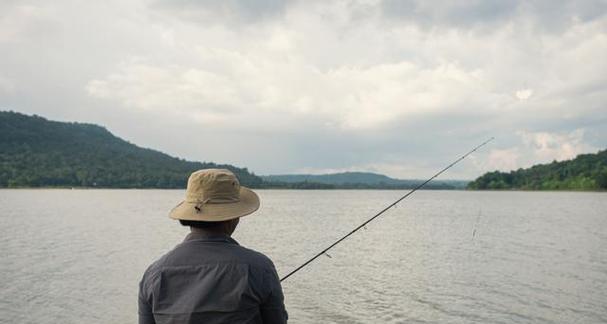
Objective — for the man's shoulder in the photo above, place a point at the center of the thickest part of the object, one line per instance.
(231, 253)
(187, 254)
(200, 252)
(255, 257)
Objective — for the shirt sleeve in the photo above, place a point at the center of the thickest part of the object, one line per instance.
(273, 308)
(145, 309)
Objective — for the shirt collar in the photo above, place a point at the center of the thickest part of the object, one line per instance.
(210, 237)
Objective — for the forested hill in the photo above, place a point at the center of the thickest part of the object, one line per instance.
(36, 152)
(585, 172)
(359, 180)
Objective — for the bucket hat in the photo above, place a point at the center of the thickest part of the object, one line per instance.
(215, 195)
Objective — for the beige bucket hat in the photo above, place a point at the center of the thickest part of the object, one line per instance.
(215, 195)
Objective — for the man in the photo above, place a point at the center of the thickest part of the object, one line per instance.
(209, 278)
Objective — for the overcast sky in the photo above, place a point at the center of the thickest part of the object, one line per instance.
(395, 87)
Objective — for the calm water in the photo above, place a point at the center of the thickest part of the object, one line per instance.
(76, 256)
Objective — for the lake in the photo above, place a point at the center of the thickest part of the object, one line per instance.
(76, 256)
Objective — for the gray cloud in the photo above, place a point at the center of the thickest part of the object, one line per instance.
(453, 13)
(392, 87)
(228, 11)
(544, 14)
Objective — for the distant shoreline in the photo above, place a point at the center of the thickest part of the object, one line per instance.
(315, 189)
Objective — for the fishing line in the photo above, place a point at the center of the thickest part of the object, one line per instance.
(383, 211)
(478, 217)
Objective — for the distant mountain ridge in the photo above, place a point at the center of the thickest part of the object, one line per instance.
(362, 180)
(585, 172)
(36, 152)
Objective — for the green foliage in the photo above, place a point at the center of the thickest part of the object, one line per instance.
(585, 172)
(35, 152)
(601, 179)
(297, 185)
(355, 180)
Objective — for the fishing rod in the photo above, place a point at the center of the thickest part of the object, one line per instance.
(383, 211)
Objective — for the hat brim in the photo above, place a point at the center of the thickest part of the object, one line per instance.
(217, 212)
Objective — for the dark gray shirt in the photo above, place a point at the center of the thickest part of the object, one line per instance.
(209, 279)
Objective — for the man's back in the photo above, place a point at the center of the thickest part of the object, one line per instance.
(209, 278)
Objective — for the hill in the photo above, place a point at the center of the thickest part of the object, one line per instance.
(359, 180)
(36, 152)
(585, 172)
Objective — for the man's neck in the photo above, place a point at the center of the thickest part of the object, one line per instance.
(208, 231)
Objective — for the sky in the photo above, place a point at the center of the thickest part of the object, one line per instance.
(400, 88)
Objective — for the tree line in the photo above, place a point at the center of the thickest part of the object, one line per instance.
(585, 172)
(35, 152)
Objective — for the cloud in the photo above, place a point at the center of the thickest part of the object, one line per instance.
(384, 86)
(6, 85)
(21, 20)
(359, 78)
(503, 159)
(534, 148)
(234, 11)
(556, 146)
(524, 94)
(459, 13)
(347, 97)
(545, 15)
